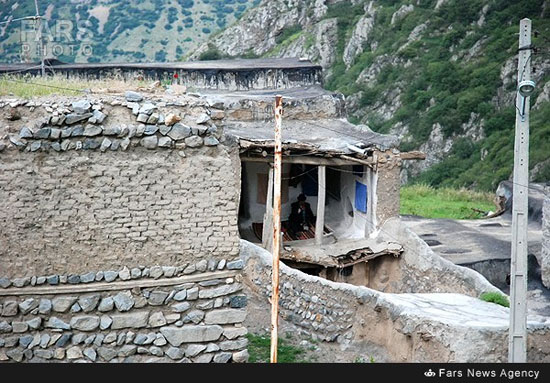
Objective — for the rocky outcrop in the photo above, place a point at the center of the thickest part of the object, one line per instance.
(257, 31)
(337, 34)
(317, 43)
(360, 35)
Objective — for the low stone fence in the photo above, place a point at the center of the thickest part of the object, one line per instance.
(191, 318)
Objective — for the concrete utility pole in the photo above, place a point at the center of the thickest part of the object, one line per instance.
(517, 339)
(40, 39)
(276, 227)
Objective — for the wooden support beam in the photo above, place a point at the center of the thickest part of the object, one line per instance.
(277, 239)
(115, 286)
(413, 155)
(316, 161)
(359, 161)
(320, 222)
(267, 230)
(245, 144)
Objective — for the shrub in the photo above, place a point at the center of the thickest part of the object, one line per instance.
(212, 53)
(495, 297)
(288, 32)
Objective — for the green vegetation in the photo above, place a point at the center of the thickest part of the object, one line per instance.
(494, 297)
(427, 201)
(212, 53)
(448, 76)
(286, 33)
(259, 350)
(114, 29)
(36, 87)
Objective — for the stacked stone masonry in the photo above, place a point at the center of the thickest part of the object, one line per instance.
(119, 238)
(197, 321)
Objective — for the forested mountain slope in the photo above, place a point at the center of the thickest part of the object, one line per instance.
(439, 73)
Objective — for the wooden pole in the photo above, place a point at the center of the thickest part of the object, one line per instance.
(320, 222)
(517, 338)
(276, 227)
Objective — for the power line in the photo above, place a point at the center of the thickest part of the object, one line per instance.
(19, 19)
(362, 138)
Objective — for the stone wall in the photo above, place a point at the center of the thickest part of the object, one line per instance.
(545, 254)
(389, 327)
(84, 198)
(119, 238)
(191, 318)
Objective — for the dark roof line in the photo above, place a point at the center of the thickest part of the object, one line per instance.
(225, 65)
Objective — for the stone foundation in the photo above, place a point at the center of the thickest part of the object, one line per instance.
(194, 318)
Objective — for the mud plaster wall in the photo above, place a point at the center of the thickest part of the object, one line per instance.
(81, 211)
(208, 78)
(336, 211)
(387, 189)
(373, 323)
(361, 224)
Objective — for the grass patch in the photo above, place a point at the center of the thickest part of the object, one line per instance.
(28, 87)
(429, 202)
(494, 297)
(259, 350)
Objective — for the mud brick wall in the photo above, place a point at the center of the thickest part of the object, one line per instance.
(80, 211)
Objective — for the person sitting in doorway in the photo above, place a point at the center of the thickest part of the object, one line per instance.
(301, 216)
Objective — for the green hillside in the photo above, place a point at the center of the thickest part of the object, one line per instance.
(440, 74)
(437, 89)
(116, 31)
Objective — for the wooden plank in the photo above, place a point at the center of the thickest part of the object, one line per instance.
(321, 194)
(413, 155)
(359, 161)
(245, 144)
(277, 171)
(316, 161)
(114, 286)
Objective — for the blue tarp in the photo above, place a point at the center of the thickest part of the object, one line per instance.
(361, 197)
